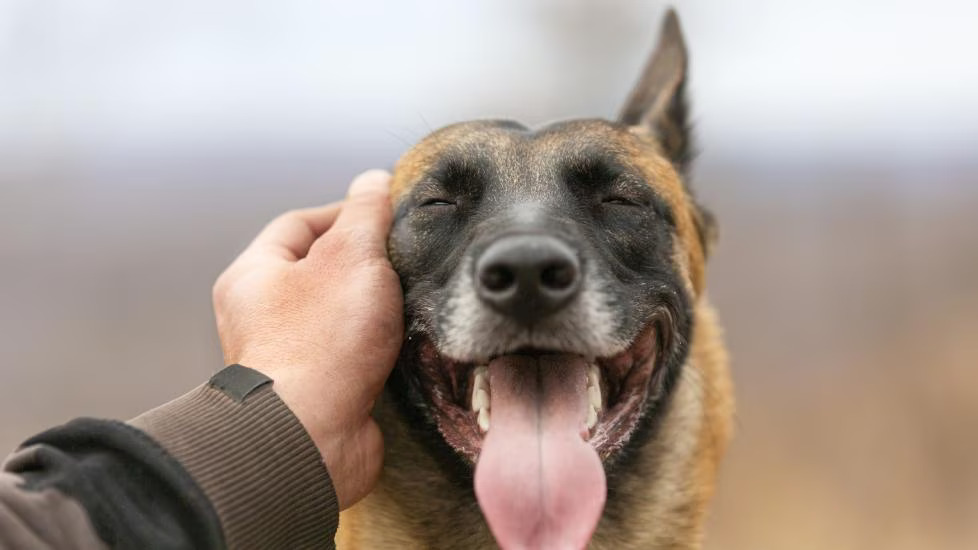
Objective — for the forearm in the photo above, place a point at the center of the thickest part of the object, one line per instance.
(226, 465)
(94, 482)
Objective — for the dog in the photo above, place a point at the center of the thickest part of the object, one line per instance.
(563, 381)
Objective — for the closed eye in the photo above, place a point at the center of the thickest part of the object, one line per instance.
(437, 202)
(620, 200)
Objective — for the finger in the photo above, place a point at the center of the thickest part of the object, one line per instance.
(367, 212)
(290, 235)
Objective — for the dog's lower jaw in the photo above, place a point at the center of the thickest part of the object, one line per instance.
(659, 501)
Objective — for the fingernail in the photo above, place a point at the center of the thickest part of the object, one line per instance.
(371, 181)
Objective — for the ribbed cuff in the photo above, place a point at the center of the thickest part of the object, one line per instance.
(252, 458)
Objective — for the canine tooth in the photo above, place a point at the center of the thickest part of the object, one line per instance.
(593, 376)
(484, 420)
(480, 399)
(592, 418)
(594, 396)
(481, 378)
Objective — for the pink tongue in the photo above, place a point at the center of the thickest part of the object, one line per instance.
(539, 484)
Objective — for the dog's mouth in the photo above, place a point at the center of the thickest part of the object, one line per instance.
(537, 425)
(462, 394)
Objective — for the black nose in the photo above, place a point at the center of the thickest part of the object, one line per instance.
(527, 277)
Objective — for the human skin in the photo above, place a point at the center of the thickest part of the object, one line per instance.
(314, 304)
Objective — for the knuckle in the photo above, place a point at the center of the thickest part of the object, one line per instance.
(219, 289)
(370, 197)
(352, 239)
(292, 214)
(287, 219)
(371, 207)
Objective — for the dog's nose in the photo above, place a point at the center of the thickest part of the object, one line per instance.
(527, 277)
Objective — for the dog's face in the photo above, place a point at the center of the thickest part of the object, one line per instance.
(549, 278)
(574, 239)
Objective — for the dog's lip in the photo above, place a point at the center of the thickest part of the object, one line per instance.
(625, 386)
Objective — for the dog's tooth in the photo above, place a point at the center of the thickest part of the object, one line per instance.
(481, 378)
(593, 376)
(592, 418)
(484, 420)
(480, 399)
(594, 396)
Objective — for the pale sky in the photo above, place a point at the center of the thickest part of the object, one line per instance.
(799, 78)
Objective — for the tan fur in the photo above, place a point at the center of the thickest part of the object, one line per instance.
(664, 493)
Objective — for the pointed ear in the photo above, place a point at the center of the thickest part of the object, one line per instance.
(658, 101)
(706, 228)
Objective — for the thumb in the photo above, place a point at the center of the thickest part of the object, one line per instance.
(366, 213)
(371, 181)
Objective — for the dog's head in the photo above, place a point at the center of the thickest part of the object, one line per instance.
(549, 279)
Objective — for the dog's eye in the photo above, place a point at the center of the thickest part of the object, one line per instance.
(437, 202)
(619, 200)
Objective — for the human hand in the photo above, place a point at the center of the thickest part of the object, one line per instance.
(314, 304)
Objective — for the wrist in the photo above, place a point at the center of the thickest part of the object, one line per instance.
(251, 457)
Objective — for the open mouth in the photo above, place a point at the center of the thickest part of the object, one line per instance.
(537, 425)
(610, 392)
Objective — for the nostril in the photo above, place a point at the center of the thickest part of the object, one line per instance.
(527, 277)
(558, 275)
(497, 278)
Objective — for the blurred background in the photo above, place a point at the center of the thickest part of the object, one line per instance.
(143, 144)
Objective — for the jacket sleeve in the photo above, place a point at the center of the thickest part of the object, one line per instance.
(225, 466)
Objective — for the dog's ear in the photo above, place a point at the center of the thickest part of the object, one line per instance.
(658, 101)
(706, 228)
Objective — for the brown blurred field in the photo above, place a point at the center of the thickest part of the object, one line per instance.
(851, 312)
(142, 148)
(852, 316)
